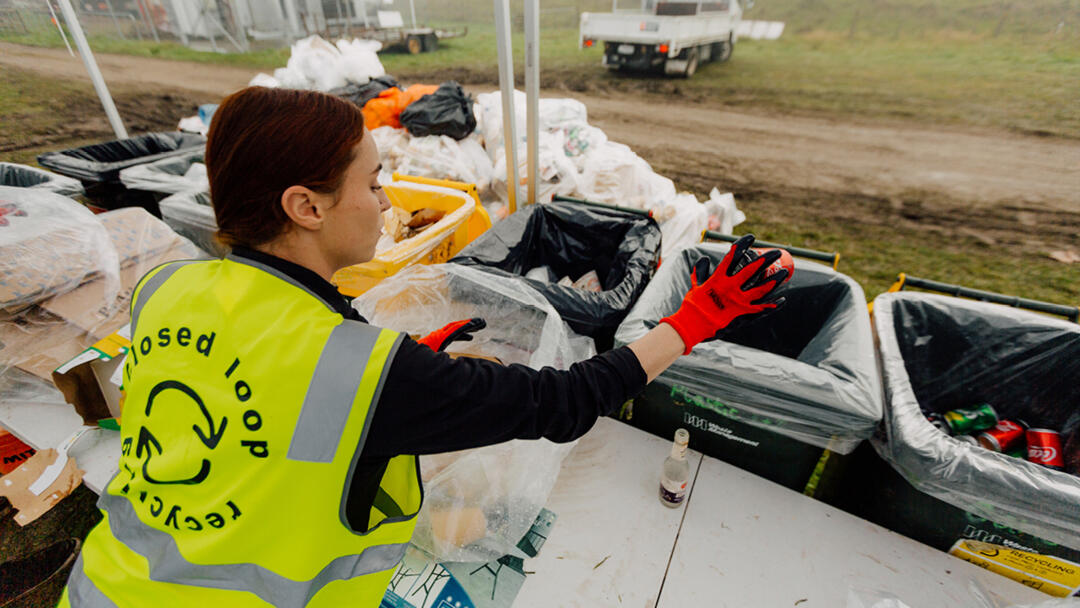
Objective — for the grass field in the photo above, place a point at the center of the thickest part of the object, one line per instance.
(1005, 64)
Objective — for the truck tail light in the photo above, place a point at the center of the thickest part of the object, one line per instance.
(588, 43)
(663, 48)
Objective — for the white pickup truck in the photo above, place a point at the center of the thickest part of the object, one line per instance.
(669, 37)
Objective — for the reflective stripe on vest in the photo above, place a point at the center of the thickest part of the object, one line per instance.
(150, 285)
(168, 565)
(83, 592)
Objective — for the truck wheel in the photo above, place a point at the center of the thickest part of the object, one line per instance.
(414, 45)
(722, 50)
(431, 42)
(691, 63)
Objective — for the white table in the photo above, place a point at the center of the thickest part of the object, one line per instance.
(612, 540)
(46, 425)
(740, 541)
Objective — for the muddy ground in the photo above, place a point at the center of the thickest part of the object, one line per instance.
(996, 188)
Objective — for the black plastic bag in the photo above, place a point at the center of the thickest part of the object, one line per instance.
(360, 94)
(571, 240)
(447, 111)
(101, 163)
(23, 176)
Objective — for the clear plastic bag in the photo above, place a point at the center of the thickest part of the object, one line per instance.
(940, 353)
(49, 244)
(184, 173)
(806, 371)
(980, 598)
(191, 215)
(479, 503)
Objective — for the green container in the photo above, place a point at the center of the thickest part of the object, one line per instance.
(878, 493)
(724, 432)
(964, 422)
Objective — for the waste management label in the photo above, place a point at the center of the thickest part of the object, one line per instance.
(1049, 574)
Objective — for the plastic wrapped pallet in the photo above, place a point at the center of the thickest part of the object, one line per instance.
(183, 173)
(479, 503)
(805, 371)
(191, 215)
(573, 239)
(25, 176)
(941, 353)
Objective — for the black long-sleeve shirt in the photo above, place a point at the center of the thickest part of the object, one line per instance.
(432, 403)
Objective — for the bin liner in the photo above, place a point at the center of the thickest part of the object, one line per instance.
(191, 215)
(572, 239)
(447, 111)
(185, 172)
(806, 370)
(500, 489)
(940, 353)
(99, 163)
(360, 94)
(24, 176)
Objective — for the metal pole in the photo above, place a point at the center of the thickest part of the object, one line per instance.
(412, 8)
(532, 94)
(144, 8)
(92, 68)
(506, 84)
(59, 27)
(294, 19)
(108, 5)
(180, 19)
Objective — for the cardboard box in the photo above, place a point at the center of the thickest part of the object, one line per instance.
(92, 380)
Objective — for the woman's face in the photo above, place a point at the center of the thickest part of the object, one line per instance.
(354, 223)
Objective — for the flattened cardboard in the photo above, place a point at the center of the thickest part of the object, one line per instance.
(87, 381)
(16, 486)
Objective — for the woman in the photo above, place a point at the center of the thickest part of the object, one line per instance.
(269, 433)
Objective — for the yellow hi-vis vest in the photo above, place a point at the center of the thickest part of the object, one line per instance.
(247, 404)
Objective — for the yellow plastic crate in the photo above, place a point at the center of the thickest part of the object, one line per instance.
(465, 220)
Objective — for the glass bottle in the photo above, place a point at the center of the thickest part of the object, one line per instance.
(676, 472)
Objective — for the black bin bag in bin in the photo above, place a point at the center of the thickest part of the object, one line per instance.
(185, 172)
(447, 111)
(774, 392)
(942, 353)
(572, 239)
(24, 176)
(98, 166)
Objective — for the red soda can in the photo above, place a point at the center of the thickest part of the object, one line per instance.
(1005, 435)
(1044, 447)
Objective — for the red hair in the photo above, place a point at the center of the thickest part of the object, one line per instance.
(261, 142)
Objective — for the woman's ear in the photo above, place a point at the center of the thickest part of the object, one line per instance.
(302, 206)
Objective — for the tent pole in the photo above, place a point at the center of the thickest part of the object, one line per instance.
(506, 84)
(92, 68)
(532, 93)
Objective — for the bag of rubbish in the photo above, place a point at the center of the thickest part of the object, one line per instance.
(360, 94)
(25, 176)
(447, 111)
(386, 108)
(807, 368)
(573, 239)
(438, 157)
(942, 353)
(479, 503)
(183, 173)
(557, 173)
(555, 114)
(191, 215)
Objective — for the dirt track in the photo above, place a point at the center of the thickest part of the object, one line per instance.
(995, 186)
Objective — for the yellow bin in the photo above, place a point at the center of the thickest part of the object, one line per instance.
(465, 220)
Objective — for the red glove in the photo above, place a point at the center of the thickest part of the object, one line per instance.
(457, 331)
(737, 287)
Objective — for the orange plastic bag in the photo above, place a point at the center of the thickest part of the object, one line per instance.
(385, 109)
